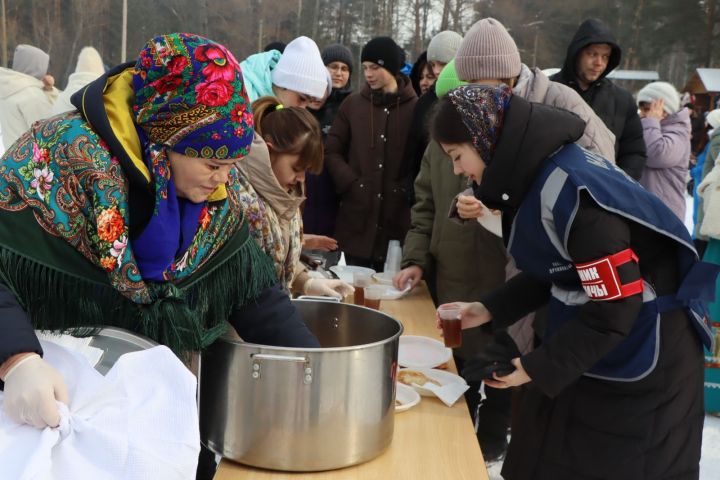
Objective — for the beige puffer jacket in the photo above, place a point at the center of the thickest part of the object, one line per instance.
(534, 86)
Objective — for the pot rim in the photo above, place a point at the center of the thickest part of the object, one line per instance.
(322, 349)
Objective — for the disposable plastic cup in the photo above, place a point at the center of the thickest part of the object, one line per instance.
(360, 281)
(451, 326)
(373, 295)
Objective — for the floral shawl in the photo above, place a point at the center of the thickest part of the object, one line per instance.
(64, 198)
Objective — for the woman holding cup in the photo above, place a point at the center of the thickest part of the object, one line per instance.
(617, 381)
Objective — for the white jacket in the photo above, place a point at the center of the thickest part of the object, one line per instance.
(709, 189)
(22, 102)
(89, 68)
(76, 81)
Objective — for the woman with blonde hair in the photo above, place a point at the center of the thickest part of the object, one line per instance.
(287, 144)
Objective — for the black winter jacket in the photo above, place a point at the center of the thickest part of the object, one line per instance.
(571, 426)
(417, 141)
(613, 104)
(320, 208)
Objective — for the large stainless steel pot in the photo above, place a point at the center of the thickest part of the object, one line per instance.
(304, 409)
(116, 342)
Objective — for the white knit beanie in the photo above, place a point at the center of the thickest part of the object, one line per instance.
(660, 90)
(713, 118)
(443, 46)
(301, 69)
(89, 61)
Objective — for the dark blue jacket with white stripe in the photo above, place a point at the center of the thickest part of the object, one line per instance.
(606, 212)
(539, 244)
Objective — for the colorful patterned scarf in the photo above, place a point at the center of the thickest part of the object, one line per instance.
(482, 109)
(65, 241)
(189, 97)
(77, 190)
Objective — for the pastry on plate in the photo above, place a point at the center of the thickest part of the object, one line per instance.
(408, 377)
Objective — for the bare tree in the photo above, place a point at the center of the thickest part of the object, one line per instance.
(630, 57)
(710, 21)
(445, 14)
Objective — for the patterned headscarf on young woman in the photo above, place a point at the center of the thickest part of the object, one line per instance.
(189, 98)
(482, 109)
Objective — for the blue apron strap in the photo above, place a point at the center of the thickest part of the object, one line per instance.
(667, 303)
(699, 283)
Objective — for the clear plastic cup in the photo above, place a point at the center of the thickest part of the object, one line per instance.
(451, 326)
(360, 281)
(373, 295)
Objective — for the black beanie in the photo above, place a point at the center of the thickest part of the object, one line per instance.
(383, 51)
(337, 53)
(279, 46)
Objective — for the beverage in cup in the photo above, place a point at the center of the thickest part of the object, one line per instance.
(373, 295)
(452, 333)
(360, 281)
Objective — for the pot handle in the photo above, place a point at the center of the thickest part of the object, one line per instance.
(319, 298)
(258, 357)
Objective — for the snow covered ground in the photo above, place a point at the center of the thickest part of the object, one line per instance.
(710, 460)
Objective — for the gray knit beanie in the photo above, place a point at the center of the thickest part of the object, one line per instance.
(30, 61)
(337, 53)
(443, 46)
(660, 90)
(487, 51)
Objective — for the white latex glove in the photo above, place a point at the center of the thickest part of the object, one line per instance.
(31, 389)
(326, 287)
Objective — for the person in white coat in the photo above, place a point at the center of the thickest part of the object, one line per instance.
(27, 93)
(89, 67)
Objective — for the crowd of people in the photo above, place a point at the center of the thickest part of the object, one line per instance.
(176, 192)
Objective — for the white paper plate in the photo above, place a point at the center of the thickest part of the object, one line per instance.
(345, 272)
(441, 376)
(407, 397)
(422, 352)
(386, 278)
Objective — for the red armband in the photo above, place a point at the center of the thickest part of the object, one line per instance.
(601, 280)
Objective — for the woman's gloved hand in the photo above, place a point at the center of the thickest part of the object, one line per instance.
(496, 358)
(32, 387)
(326, 287)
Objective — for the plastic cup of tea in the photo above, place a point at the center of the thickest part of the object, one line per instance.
(360, 281)
(373, 295)
(451, 326)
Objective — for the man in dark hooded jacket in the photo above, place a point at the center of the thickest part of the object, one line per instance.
(592, 54)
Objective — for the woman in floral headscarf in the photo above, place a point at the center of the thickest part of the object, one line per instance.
(126, 213)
